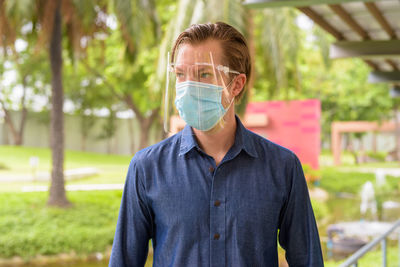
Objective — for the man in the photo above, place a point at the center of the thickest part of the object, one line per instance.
(215, 194)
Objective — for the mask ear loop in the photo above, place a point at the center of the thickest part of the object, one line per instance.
(233, 98)
(222, 121)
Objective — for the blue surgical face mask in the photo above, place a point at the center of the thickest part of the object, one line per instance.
(199, 104)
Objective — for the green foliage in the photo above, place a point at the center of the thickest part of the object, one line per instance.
(382, 192)
(320, 209)
(125, 63)
(29, 227)
(311, 174)
(32, 75)
(344, 92)
(3, 166)
(335, 181)
(277, 55)
(372, 259)
(109, 127)
(378, 156)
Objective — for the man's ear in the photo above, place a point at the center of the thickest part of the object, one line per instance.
(238, 84)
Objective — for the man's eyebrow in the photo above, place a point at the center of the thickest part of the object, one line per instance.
(208, 68)
(178, 68)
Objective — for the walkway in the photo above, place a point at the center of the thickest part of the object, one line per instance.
(75, 187)
(72, 174)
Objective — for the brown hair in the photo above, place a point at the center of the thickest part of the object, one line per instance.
(234, 45)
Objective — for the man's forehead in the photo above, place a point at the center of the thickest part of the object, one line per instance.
(205, 52)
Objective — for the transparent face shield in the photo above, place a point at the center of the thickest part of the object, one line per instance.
(198, 91)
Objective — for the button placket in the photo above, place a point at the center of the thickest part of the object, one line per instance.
(217, 219)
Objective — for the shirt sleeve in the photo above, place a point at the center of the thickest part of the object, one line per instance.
(298, 233)
(134, 226)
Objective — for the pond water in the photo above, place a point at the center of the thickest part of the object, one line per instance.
(339, 209)
(346, 208)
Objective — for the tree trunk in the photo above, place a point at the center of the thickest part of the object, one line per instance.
(57, 190)
(397, 132)
(5, 135)
(145, 126)
(83, 143)
(144, 122)
(109, 145)
(10, 124)
(131, 135)
(17, 135)
(20, 136)
(24, 113)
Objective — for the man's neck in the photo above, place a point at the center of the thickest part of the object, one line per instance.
(217, 144)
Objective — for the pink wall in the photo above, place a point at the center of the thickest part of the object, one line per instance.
(292, 124)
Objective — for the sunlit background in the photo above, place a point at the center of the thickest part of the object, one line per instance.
(80, 97)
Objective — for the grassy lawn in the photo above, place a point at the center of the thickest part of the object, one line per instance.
(373, 258)
(15, 162)
(349, 177)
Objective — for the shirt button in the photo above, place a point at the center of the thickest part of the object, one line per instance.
(216, 236)
(211, 169)
(217, 203)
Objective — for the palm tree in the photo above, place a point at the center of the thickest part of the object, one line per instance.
(278, 43)
(46, 18)
(57, 189)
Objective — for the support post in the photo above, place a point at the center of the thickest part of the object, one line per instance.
(383, 244)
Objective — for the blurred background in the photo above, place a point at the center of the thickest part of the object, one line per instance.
(81, 88)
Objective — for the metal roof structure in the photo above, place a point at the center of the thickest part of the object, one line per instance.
(365, 29)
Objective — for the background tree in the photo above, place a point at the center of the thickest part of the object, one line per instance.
(109, 128)
(278, 45)
(82, 19)
(127, 77)
(23, 73)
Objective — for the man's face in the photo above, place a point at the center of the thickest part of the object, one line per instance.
(199, 63)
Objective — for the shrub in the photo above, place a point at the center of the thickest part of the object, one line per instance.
(29, 227)
(311, 174)
(378, 156)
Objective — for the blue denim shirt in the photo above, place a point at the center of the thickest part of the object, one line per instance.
(200, 214)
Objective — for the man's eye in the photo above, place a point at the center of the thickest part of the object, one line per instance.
(180, 75)
(205, 75)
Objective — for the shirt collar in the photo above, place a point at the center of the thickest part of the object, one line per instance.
(187, 140)
(243, 140)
